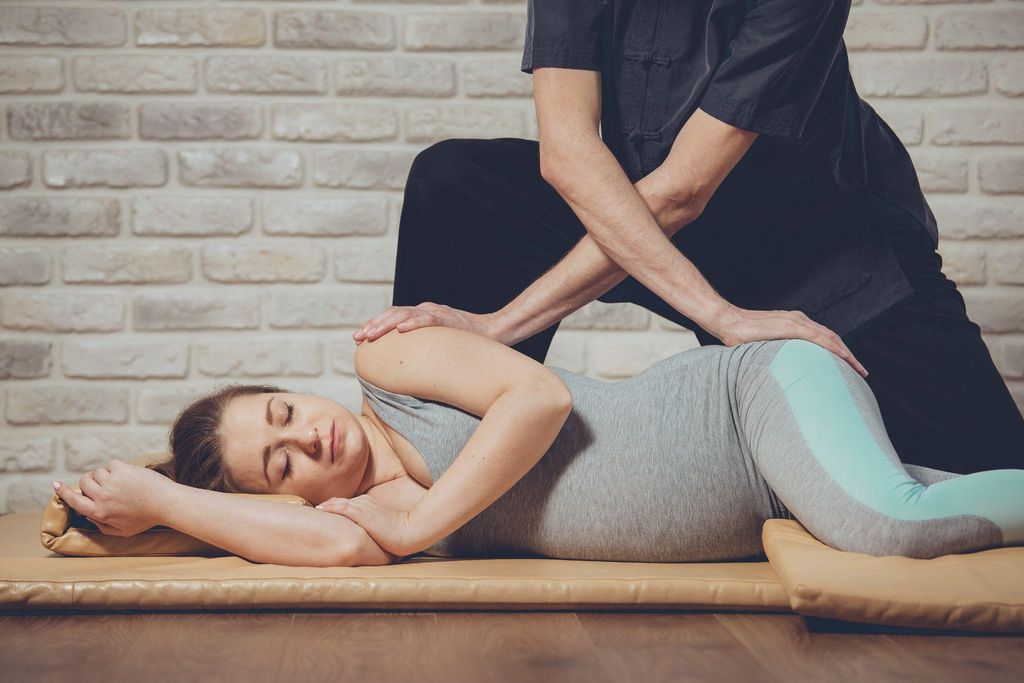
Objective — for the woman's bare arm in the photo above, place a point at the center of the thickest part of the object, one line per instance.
(270, 532)
(523, 406)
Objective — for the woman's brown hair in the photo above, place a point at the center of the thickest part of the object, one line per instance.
(197, 451)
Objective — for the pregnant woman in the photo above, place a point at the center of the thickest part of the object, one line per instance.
(466, 447)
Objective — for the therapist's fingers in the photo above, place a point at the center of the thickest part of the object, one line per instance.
(835, 344)
(383, 322)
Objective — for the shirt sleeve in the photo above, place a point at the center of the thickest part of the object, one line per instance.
(777, 65)
(564, 33)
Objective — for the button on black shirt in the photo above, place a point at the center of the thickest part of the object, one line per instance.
(793, 214)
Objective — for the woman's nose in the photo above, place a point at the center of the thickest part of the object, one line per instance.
(309, 441)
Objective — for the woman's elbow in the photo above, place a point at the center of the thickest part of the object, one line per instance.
(556, 394)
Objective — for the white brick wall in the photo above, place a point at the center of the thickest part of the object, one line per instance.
(197, 191)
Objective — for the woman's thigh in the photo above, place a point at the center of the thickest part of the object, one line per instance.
(816, 435)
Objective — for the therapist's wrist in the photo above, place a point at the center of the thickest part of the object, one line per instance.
(718, 317)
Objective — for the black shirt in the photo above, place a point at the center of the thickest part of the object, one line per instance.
(791, 226)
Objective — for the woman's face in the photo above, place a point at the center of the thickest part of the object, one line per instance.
(293, 431)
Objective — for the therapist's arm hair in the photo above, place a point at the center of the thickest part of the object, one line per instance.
(521, 403)
(627, 226)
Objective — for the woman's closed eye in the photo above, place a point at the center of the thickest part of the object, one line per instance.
(287, 457)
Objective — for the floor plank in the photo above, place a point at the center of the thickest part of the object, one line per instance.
(670, 647)
(425, 646)
(785, 646)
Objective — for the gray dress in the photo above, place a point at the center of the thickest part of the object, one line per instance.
(651, 468)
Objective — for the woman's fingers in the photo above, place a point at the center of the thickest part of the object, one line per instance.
(76, 500)
(89, 487)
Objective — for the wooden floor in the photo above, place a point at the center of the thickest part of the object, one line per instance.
(485, 646)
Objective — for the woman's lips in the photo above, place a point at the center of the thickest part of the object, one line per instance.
(333, 446)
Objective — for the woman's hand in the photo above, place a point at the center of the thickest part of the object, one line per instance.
(120, 499)
(405, 318)
(391, 529)
(741, 325)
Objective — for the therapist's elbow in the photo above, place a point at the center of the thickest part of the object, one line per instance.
(557, 165)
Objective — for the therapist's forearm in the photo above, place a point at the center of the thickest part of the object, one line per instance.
(586, 272)
(621, 226)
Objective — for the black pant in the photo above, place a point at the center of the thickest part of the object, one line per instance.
(479, 224)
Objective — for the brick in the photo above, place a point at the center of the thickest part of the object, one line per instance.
(886, 31)
(568, 351)
(238, 167)
(978, 218)
(30, 73)
(199, 121)
(135, 74)
(70, 26)
(32, 216)
(155, 311)
(161, 405)
(365, 261)
(24, 266)
(127, 264)
(314, 216)
(1008, 75)
(342, 351)
(334, 122)
(995, 310)
(1002, 174)
(67, 403)
(963, 263)
(263, 263)
(69, 121)
(918, 77)
(92, 450)
(465, 31)
(28, 494)
(15, 169)
(199, 27)
(601, 316)
(261, 358)
(185, 215)
(940, 172)
(627, 355)
(495, 78)
(334, 30)
(433, 123)
(124, 359)
(326, 308)
(283, 74)
(105, 168)
(395, 77)
(346, 394)
(980, 30)
(27, 453)
(362, 169)
(24, 359)
(1008, 265)
(977, 126)
(62, 311)
(907, 123)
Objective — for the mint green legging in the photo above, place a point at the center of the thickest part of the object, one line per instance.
(816, 435)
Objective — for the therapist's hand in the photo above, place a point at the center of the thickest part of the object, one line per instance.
(739, 325)
(405, 318)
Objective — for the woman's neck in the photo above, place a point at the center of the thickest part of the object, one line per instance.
(382, 461)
